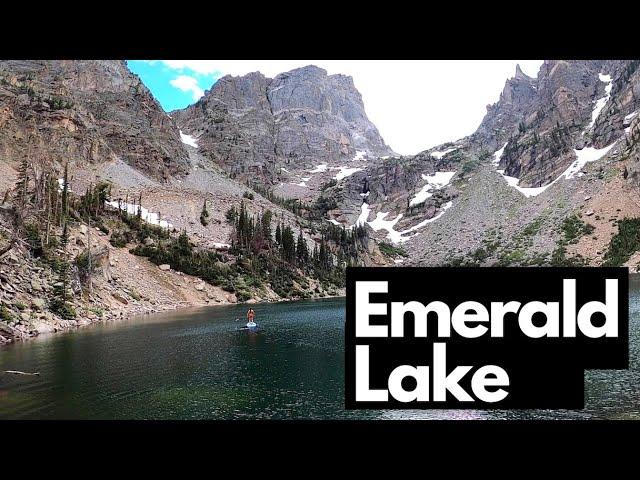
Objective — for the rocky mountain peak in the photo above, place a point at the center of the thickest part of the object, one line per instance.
(520, 74)
(502, 117)
(307, 71)
(243, 92)
(252, 125)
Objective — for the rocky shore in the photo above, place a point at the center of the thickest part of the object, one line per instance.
(25, 288)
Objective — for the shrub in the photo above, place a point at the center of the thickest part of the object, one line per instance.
(231, 215)
(204, 215)
(5, 314)
(391, 250)
(63, 310)
(624, 243)
(469, 165)
(323, 205)
(533, 228)
(82, 263)
(119, 239)
(34, 239)
(331, 183)
(243, 295)
(559, 258)
(574, 227)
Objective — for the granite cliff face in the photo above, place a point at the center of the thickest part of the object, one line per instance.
(548, 147)
(571, 105)
(86, 112)
(253, 125)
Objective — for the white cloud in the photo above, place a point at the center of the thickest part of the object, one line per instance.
(415, 104)
(188, 84)
(203, 67)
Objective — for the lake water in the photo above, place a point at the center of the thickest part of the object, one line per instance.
(196, 364)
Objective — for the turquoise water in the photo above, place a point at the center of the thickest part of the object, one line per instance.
(196, 364)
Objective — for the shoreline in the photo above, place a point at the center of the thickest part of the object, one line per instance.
(141, 311)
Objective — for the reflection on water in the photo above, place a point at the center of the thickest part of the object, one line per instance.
(190, 364)
(196, 364)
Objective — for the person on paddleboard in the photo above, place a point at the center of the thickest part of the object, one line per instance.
(250, 315)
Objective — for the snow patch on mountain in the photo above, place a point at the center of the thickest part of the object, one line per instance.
(601, 102)
(583, 156)
(346, 172)
(188, 140)
(631, 116)
(498, 155)
(360, 154)
(380, 223)
(319, 168)
(434, 182)
(146, 215)
(439, 154)
(364, 214)
(304, 181)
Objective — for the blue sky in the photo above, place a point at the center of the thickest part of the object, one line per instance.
(416, 104)
(173, 87)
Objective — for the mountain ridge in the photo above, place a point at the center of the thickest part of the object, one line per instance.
(548, 177)
(253, 125)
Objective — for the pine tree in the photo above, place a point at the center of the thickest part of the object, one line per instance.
(302, 251)
(139, 212)
(278, 235)
(60, 303)
(125, 212)
(242, 227)
(266, 225)
(288, 247)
